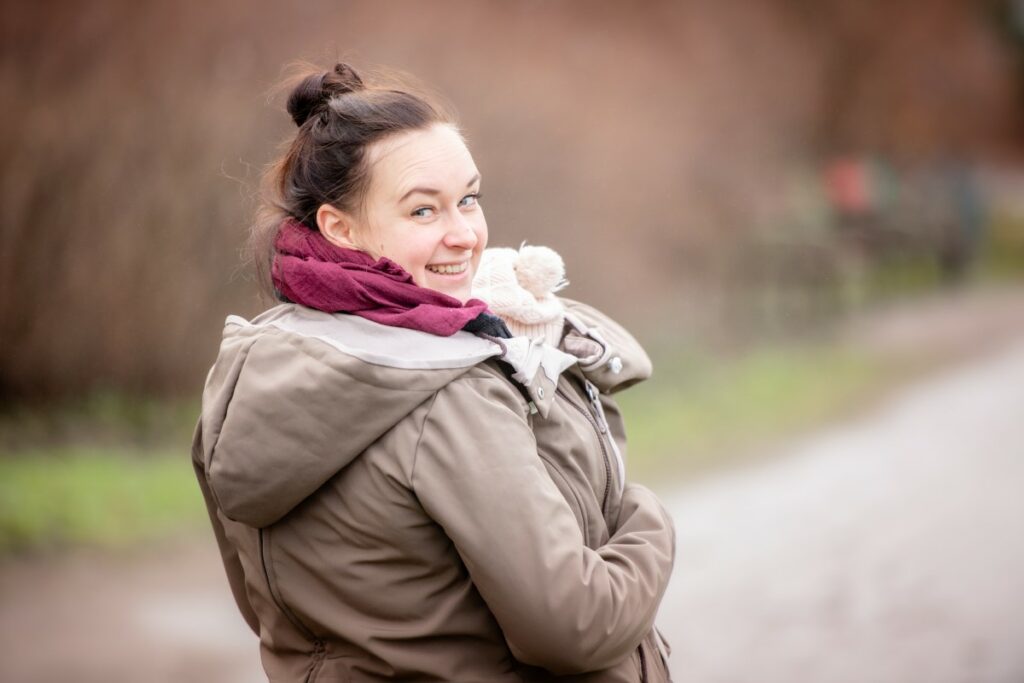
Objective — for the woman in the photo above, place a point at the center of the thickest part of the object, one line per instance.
(399, 488)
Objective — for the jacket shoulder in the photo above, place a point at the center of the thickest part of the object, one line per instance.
(488, 381)
(609, 356)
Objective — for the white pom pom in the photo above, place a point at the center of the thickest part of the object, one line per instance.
(540, 270)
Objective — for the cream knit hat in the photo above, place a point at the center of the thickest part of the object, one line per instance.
(520, 285)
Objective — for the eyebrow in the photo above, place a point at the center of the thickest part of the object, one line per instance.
(432, 191)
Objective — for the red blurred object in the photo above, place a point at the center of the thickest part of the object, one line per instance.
(848, 185)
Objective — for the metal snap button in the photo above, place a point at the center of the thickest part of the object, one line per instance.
(540, 392)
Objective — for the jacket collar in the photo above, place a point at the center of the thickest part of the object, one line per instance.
(536, 365)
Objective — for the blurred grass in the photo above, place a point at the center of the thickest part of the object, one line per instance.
(1002, 251)
(700, 411)
(83, 495)
(900, 277)
(106, 469)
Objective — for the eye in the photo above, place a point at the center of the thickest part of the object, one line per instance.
(470, 199)
(423, 212)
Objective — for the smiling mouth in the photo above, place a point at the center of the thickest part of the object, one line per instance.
(449, 269)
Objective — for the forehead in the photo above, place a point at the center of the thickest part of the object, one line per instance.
(435, 157)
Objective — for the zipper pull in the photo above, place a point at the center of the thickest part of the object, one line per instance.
(592, 394)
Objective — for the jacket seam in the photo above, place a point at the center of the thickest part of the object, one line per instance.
(294, 340)
(278, 320)
(575, 494)
(419, 438)
(270, 573)
(426, 418)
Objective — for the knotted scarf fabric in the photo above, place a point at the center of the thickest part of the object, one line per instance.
(309, 270)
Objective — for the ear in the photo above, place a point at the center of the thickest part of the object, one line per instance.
(337, 226)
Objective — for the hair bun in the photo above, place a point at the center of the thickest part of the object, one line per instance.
(342, 79)
(313, 93)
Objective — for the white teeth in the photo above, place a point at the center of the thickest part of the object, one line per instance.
(448, 270)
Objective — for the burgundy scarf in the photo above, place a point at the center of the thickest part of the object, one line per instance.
(309, 270)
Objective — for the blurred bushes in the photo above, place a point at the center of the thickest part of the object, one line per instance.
(652, 146)
(98, 420)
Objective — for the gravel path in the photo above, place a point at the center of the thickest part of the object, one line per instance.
(888, 550)
(157, 615)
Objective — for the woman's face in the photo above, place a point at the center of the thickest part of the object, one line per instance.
(421, 209)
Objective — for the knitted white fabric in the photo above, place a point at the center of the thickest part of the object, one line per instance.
(520, 285)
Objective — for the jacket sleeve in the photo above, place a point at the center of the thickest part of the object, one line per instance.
(561, 605)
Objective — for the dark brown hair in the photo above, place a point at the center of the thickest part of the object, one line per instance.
(338, 117)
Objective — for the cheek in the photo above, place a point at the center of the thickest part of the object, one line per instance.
(401, 247)
(417, 253)
(481, 234)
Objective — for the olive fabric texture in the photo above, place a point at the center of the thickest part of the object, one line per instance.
(389, 504)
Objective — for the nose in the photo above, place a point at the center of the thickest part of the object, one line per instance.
(461, 233)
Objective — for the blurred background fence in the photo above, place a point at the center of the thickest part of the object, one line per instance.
(712, 172)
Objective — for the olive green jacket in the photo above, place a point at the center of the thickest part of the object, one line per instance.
(391, 504)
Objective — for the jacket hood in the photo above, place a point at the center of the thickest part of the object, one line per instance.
(296, 394)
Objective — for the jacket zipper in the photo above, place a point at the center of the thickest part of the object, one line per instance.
(604, 451)
(594, 395)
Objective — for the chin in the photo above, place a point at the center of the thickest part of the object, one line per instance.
(461, 295)
(463, 291)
